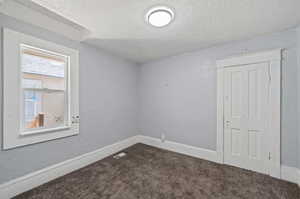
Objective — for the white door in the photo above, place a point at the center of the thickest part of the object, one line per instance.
(246, 91)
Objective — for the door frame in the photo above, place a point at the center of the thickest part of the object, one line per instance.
(273, 57)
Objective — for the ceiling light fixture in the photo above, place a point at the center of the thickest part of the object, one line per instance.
(160, 16)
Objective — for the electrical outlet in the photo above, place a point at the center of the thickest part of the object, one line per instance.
(163, 137)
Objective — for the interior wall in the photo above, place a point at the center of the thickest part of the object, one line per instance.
(298, 40)
(108, 98)
(178, 94)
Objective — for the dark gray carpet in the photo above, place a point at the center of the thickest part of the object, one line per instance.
(151, 173)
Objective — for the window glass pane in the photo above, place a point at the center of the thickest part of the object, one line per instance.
(44, 89)
(32, 104)
(32, 83)
(44, 110)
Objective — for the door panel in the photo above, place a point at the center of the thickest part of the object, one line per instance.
(236, 94)
(245, 119)
(254, 145)
(236, 142)
(253, 95)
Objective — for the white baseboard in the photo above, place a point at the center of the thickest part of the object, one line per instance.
(32, 180)
(27, 182)
(201, 153)
(290, 174)
(299, 177)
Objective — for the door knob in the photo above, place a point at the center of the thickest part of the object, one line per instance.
(227, 124)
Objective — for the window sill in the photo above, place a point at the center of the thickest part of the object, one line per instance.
(42, 131)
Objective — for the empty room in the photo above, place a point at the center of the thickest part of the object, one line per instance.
(150, 99)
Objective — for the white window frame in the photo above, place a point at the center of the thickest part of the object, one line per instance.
(12, 102)
(67, 115)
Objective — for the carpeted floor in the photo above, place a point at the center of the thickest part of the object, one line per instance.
(151, 173)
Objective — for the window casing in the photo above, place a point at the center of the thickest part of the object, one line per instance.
(40, 90)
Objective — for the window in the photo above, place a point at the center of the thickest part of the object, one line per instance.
(40, 90)
(44, 87)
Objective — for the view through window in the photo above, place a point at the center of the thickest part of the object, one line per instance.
(44, 84)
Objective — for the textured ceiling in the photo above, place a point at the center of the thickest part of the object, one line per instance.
(118, 26)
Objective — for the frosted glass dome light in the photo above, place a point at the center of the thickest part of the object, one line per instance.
(159, 16)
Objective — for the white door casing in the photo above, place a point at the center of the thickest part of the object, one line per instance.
(248, 111)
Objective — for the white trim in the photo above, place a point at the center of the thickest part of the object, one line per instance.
(37, 178)
(257, 57)
(273, 57)
(299, 177)
(27, 182)
(12, 107)
(193, 151)
(290, 174)
(220, 114)
(44, 18)
(298, 52)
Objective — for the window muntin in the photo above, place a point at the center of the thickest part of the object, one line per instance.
(44, 86)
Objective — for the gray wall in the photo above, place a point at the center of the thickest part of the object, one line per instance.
(108, 98)
(298, 34)
(178, 94)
